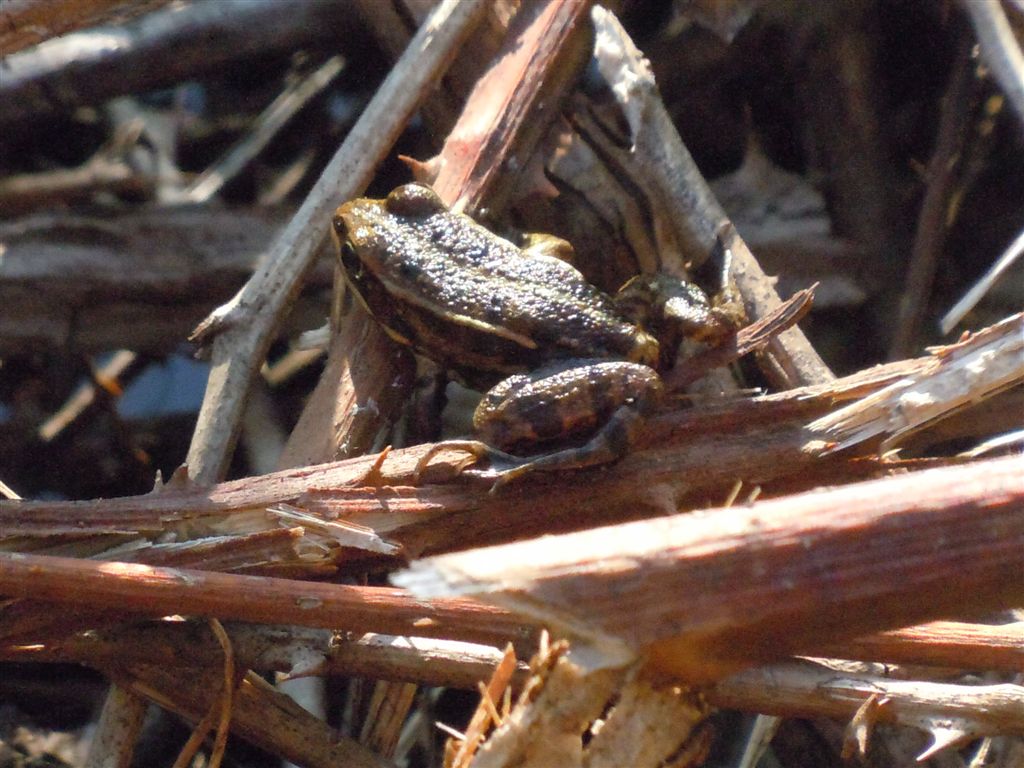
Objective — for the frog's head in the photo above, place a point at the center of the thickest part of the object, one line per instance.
(373, 243)
(368, 231)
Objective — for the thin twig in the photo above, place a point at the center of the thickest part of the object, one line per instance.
(933, 219)
(106, 377)
(263, 130)
(156, 591)
(951, 713)
(999, 48)
(983, 284)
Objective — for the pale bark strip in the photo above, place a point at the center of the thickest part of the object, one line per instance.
(961, 375)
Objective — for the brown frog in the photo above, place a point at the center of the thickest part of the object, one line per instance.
(562, 363)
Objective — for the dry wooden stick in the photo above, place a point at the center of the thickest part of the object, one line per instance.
(952, 714)
(393, 24)
(983, 285)
(260, 715)
(299, 651)
(705, 593)
(89, 284)
(106, 380)
(932, 220)
(154, 591)
(758, 441)
(951, 644)
(790, 688)
(104, 172)
(293, 651)
(161, 49)
(512, 103)
(674, 178)
(263, 129)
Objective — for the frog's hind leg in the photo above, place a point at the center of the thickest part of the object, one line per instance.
(608, 444)
(603, 402)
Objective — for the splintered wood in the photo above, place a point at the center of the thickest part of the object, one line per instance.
(960, 375)
(572, 716)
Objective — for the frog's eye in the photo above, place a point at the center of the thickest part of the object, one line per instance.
(414, 200)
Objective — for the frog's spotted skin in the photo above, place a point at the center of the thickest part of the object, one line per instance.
(560, 401)
(481, 307)
(452, 289)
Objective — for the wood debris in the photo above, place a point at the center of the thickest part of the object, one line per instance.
(717, 141)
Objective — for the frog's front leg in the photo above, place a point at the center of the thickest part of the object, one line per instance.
(672, 310)
(599, 402)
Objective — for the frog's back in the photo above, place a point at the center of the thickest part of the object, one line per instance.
(507, 311)
(471, 300)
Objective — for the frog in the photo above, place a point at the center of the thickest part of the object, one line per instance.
(569, 373)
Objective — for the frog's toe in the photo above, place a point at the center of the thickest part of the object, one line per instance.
(474, 449)
(506, 476)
